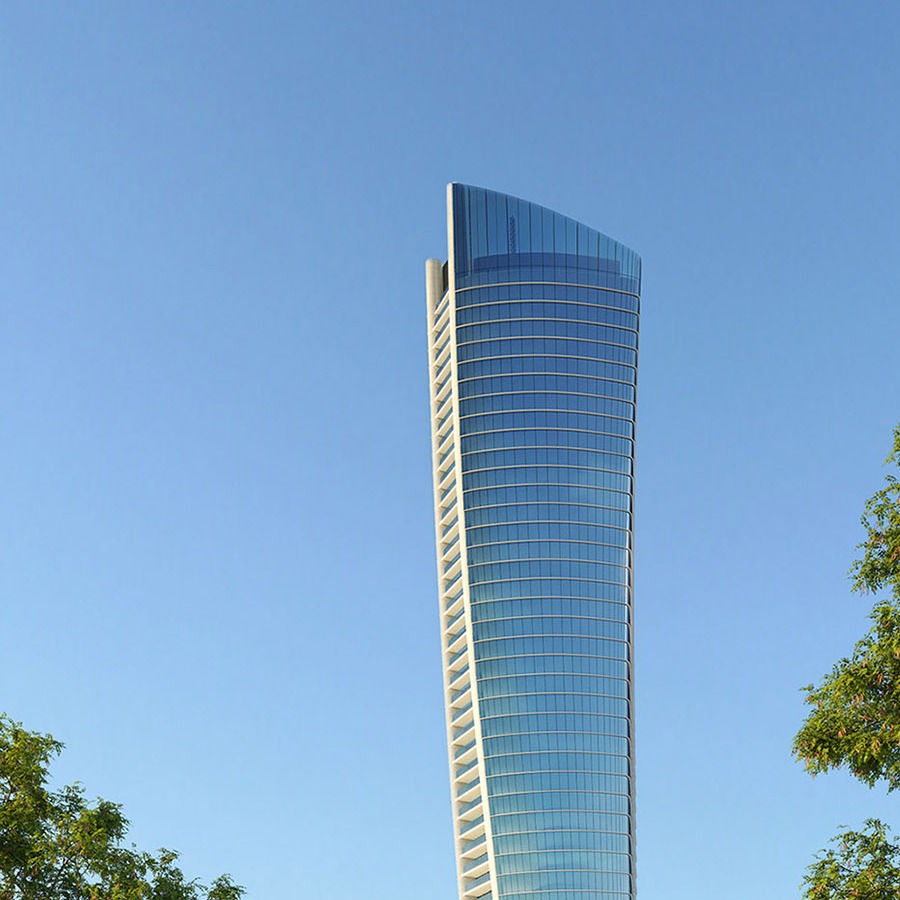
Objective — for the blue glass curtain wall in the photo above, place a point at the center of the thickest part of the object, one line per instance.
(547, 335)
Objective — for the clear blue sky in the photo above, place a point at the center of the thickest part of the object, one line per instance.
(216, 535)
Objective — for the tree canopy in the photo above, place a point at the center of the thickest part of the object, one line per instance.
(855, 717)
(863, 865)
(854, 722)
(55, 845)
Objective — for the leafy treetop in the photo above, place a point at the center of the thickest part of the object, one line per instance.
(54, 845)
(863, 865)
(855, 711)
(880, 565)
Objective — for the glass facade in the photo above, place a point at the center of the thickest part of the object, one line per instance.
(533, 325)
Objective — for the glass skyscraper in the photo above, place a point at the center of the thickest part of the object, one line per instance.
(533, 334)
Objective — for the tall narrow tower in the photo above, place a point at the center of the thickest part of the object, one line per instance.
(533, 334)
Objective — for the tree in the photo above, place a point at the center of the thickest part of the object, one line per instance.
(854, 721)
(864, 866)
(54, 845)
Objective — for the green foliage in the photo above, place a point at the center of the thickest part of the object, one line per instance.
(855, 720)
(54, 845)
(880, 565)
(864, 866)
(855, 717)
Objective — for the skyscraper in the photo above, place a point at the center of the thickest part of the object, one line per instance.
(533, 327)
